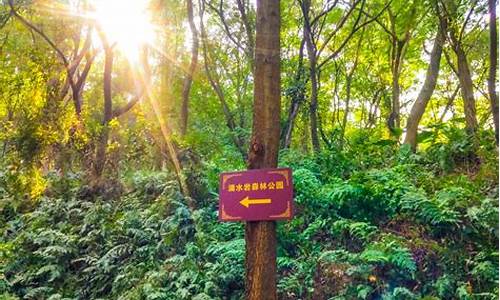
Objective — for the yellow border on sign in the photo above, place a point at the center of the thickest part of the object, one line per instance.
(225, 216)
(225, 177)
(283, 173)
(286, 214)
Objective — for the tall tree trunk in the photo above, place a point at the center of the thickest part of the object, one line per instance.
(394, 119)
(313, 108)
(260, 236)
(292, 114)
(398, 53)
(427, 90)
(346, 111)
(296, 99)
(493, 65)
(249, 32)
(100, 159)
(188, 80)
(313, 76)
(465, 80)
(462, 70)
(348, 89)
(467, 88)
(398, 50)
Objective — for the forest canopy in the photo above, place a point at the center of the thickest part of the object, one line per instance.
(117, 117)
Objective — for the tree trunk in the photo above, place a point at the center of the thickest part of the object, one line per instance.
(346, 111)
(425, 93)
(398, 50)
(188, 80)
(296, 99)
(294, 109)
(100, 158)
(467, 89)
(394, 119)
(493, 65)
(348, 89)
(260, 236)
(398, 53)
(313, 76)
(313, 109)
(249, 31)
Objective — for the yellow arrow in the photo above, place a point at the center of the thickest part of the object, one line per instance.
(246, 202)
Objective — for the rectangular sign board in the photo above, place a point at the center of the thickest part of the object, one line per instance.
(256, 195)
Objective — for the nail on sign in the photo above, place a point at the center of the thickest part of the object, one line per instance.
(256, 195)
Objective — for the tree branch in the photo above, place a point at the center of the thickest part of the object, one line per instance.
(341, 24)
(355, 29)
(219, 11)
(41, 33)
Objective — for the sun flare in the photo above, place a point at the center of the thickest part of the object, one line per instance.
(128, 24)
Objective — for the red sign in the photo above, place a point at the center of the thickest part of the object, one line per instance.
(256, 195)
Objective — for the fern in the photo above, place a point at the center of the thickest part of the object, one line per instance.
(400, 293)
(388, 251)
(427, 211)
(361, 230)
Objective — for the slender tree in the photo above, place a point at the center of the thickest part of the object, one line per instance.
(109, 113)
(349, 78)
(188, 80)
(318, 40)
(297, 97)
(427, 89)
(493, 64)
(447, 12)
(260, 236)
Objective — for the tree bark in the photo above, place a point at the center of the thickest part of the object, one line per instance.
(462, 71)
(260, 236)
(398, 51)
(346, 110)
(188, 80)
(348, 90)
(467, 88)
(249, 31)
(426, 91)
(313, 76)
(493, 65)
(100, 158)
(394, 119)
(296, 99)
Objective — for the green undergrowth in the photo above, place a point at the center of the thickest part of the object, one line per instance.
(407, 228)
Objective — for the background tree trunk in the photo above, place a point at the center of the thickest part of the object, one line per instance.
(100, 156)
(349, 77)
(394, 118)
(260, 237)
(467, 89)
(297, 98)
(188, 80)
(462, 71)
(426, 92)
(346, 110)
(493, 65)
(313, 76)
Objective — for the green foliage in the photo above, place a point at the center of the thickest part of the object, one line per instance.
(373, 219)
(375, 233)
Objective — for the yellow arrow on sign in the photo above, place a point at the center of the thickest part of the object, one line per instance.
(246, 202)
